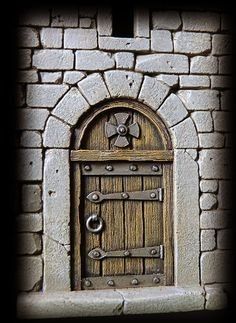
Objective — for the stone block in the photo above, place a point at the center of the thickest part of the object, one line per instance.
(221, 44)
(62, 17)
(71, 107)
(208, 186)
(104, 21)
(31, 198)
(23, 58)
(85, 22)
(30, 76)
(193, 153)
(72, 77)
(215, 163)
(141, 22)
(153, 92)
(222, 121)
(161, 41)
(124, 60)
(211, 140)
(208, 240)
(51, 37)
(123, 84)
(194, 81)
(51, 77)
(93, 60)
(192, 43)
(56, 134)
(80, 38)
(225, 239)
(35, 17)
(29, 272)
(28, 244)
(166, 20)
(226, 100)
(29, 164)
(225, 194)
(217, 219)
(216, 298)
(225, 64)
(185, 135)
(208, 201)
(93, 88)
(200, 99)
(203, 121)
(221, 82)
(172, 111)
(47, 96)
(203, 65)
(29, 222)
(31, 139)
(162, 63)
(171, 80)
(120, 43)
(31, 119)
(201, 21)
(53, 59)
(27, 37)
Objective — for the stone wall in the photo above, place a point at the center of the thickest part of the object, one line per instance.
(61, 53)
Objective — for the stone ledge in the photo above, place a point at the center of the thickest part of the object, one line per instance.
(114, 302)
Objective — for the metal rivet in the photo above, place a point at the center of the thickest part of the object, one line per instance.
(134, 281)
(155, 168)
(95, 197)
(109, 168)
(153, 195)
(96, 254)
(125, 195)
(87, 283)
(153, 251)
(156, 280)
(133, 167)
(110, 283)
(127, 253)
(158, 270)
(87, 167)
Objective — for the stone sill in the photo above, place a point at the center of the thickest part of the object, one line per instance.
(116, 302)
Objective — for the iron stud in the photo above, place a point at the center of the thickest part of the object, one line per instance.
(87, 167)
(96, 254)
(87, 283)
(156, 280)
(133, 167)
(153, 251)
(134, 281)
(125, 195)
(155, 168)
(109, 168)
(95, 197)
(127, 253)
(153, 195)
(110, 283)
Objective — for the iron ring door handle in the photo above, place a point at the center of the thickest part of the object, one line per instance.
(92, 219)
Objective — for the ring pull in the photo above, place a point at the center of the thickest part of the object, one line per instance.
(91, 223)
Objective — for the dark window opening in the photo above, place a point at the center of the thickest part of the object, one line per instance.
(122, 21)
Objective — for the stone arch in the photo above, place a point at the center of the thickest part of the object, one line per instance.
(97, 88)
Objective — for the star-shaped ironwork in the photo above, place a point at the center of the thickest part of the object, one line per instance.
(122, 130)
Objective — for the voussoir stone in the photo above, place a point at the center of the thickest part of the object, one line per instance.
(185, 135)
(44, 95)
(29, 164)
(203, 121)
(29, 272)
(79, 38)
(71, 106)
(53, 59)
(93, 88)
(172, 110)
(123, 84)
(153, 92)
(28, 243)
(29, 222)
(93, 60)
(192, 43)
(56, 134)
(200, 99)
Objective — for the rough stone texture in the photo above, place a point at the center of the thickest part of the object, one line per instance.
(221, 121)
(51, 77)
(35, 17)
(29, 272)
(220, 261)
(93, 88)
(71, 106)
(208, 201)
(225, 195)
(124, 60)
(171, 80)
(123, 84)
(153, 92)
(72, 77)
(216, 298)
(116, 43)
(166, 20)
(226, 100)
(28, 243)
(215, 163)
(192, 43)
(51, 37)
(211, 140)
(56, 219)
(93, 60)
(64, 17)
(162, 63)
(201, 21)
(208, 186)
(225, 64)
(56, 134)
(221, 82)
(225, 239)
(30, 76)
(194, 81)
(215, 219)
(32, 119)
(193, 153)
(27, 37)
(141, 22)
(80, 38)
(200, 99)
(208, 240)
(161, 41)
(204, 65)
(186, 227)
(29, 164)
(44, 95)
(53, 59)
(104, 22)
(221, 44)
(172, 110)
(203, 121)
(85, 22)
(29, 222)
(20, 95)
(31, 198)
(185, 135)
(31, 139)
(23, 58)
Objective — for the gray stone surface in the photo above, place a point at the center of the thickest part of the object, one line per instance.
(56, 134)
(51, 37)
(162, 63)
(208, 201)
(93, 60)
(215, 163)
(28, 243)
(208, 186)
(116, 43)
(221, 82)
(225, 239)
(80, 38)
(192, 43)
(201, 21)
(141, 22)
(31, 139)
(161, 41)
(221, 44)
(31, 119)
(225, 64)
(204, 65)
(124, 60)
(29, 272)
(216, 298)
(184, 134)
(29, 222)
(123, 84)
(225, 195)
(226, 100)
(27, 37)
(211, 140)
(23, 58)
(203, 121)
(53, 59)
(64, 17)
(169, 79)
(72, 77)
(31, 198)
(44, 95)
(200, 99)
(51, 77)
(71, 107)
(104, 21)
(29, 76)
(85, 22)
(208, 240)
(35, 17)
(166, 20)
(29, 164)
(194, 81)
(217, 219)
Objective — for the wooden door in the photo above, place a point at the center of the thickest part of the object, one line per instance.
(122, 171)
